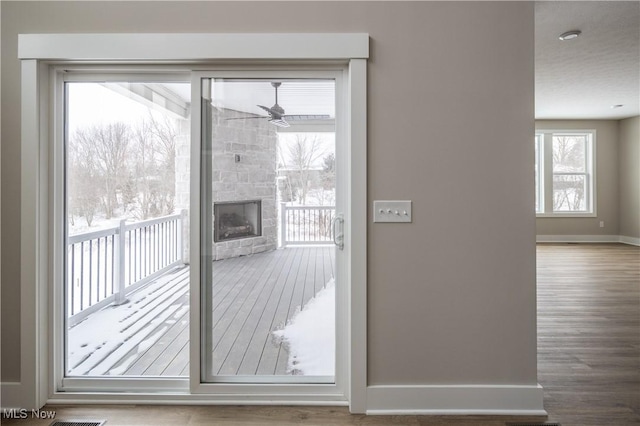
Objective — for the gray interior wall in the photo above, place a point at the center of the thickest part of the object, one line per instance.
(451, 297)
(606, 181)
(629, 177)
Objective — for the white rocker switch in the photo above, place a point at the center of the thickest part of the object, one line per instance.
(392, 211)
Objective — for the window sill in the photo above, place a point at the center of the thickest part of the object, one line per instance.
(565, 215)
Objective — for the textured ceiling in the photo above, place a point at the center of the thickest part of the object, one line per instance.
(584, 77)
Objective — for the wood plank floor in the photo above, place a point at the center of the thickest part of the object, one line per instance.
(588, 356)
(252, 296)
(589, 333)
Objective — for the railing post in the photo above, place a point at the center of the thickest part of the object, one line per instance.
(283, 224)
(120, 296)
(183, 232)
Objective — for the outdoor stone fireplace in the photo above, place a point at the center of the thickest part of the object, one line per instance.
(236, 220)
(244, 185)
(244, 169)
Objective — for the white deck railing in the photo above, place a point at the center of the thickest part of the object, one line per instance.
(300, 225)
(104, 266)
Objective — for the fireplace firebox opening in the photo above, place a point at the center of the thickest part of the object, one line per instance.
(237, 219)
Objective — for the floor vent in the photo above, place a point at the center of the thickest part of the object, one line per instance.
(78, 423)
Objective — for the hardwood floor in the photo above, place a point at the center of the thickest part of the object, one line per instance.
(589, 333)
(588, 356)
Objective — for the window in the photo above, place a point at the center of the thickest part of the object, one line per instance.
(564, 173)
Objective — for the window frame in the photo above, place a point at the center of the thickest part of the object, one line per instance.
(546, 174)
(539, 186)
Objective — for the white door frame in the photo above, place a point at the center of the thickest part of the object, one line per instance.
(303, 388)
(39, 52)
(59, 75)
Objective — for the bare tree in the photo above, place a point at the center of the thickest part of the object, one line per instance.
(108, 146)
(83, 183)
(145, 171)
(119, 165)
(154, 145)
(304, 152)
(166, 135)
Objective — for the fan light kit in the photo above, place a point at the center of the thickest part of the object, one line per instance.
(570, 35)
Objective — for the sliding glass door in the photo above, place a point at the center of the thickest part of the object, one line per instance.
(201, 242)
(268, 227)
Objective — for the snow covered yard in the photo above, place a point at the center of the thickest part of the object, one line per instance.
(311, 335)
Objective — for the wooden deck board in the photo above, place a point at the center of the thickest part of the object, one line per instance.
(144, 365)
(248, 318)
(227, 327)
(294, 303)
(252, 297)
(271, 350)
(258, 338)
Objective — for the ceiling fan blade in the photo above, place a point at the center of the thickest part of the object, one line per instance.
(265, 108)
(303, 117)
(279, 122)
(247, 118)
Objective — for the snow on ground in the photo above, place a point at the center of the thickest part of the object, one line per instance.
(311, 335)
(101, 341)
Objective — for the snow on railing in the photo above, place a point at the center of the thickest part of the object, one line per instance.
(104, 266)
(301, 225)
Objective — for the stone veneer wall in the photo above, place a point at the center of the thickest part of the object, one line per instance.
(251, 178)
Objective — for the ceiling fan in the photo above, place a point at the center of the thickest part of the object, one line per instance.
(276, 115)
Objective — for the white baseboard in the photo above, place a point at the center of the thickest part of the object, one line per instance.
(630, 240)
(10, 395)
(577, 238)
(456, 400)
(588, 239)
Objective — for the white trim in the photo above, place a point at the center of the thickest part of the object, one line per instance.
(577, 239)
(189, 399)
(201, 383)
(75, 385)
(192, 47)
(456, 399)
(546, 173)
(58, 319)
(194, 237)
(58, 314)
(633, 241)
(356, 235)
(161, 391)
(567, 215)
(34, 263)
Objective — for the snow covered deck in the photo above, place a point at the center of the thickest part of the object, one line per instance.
(254, 296)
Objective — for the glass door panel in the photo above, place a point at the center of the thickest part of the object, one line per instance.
(126, 241)
(267, 208)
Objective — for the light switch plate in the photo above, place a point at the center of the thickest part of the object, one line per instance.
(392, 211)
